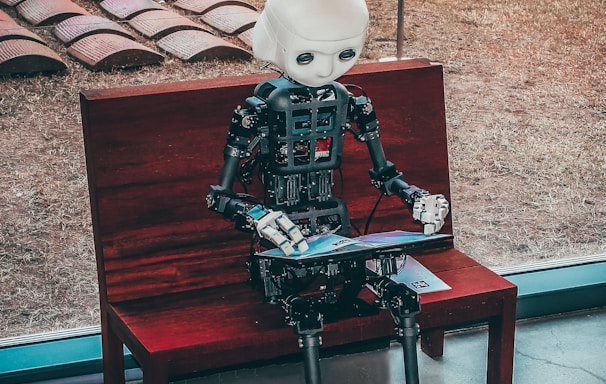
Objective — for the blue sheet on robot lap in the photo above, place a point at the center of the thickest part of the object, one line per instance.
(410, 271)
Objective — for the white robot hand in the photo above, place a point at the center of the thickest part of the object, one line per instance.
(431, 211)
(276, 227)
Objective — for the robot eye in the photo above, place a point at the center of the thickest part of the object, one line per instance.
(305, 58)
(347, 54)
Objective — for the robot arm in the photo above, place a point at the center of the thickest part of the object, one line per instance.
(431, 210)
(274, 226)
(221, 197)
(270, 225)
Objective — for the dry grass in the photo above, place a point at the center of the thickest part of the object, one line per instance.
(526, 110)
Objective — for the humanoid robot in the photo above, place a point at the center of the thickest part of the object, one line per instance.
(293, 129)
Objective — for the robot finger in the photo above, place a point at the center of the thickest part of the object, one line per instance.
(424, 209)
(443, 205)
(417, 210)
(433, 227)
(293, 232)
(431, 211)
(277, 239)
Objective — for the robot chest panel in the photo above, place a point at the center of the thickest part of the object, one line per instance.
(304, 154)
(306, 126)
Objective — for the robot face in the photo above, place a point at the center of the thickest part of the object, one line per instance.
(312, 41)
(317, 63)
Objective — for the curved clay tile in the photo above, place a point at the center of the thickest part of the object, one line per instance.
(157, 24)
(231, 19)
(203, 6)
(10, 30)
(20, 56)
(246, 37)
(10, 3)
(192, 45)
(78, 27)
(44, 12)
(126, 9)
(104, 52)
(6, 17)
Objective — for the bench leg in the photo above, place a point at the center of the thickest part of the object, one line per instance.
(113, 357)
(501, 334)
(432, 342)
(155, 372)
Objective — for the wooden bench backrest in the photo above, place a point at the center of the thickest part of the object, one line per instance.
(152, 152)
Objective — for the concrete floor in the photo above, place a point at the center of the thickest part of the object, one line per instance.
(560, 349)
(565, 349)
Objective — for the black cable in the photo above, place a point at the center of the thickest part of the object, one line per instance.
(355, 227)
(372, 213)
(356, 87)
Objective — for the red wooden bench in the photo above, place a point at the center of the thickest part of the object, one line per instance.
(172, 274)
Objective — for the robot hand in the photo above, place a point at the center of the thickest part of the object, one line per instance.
(431, 210)
(276, 227)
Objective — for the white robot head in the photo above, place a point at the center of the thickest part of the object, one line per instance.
(312, 41)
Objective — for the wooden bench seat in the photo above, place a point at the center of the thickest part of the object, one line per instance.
(235, 325)
(172, 276)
